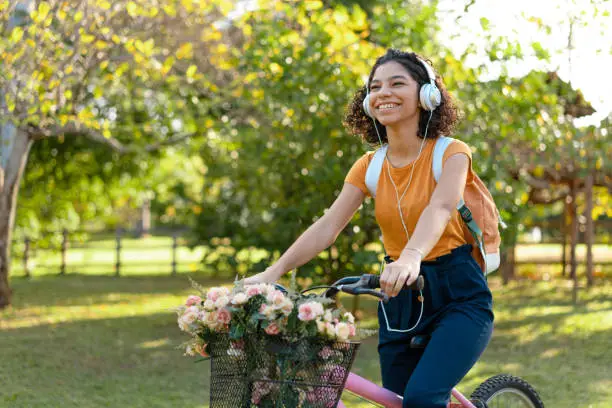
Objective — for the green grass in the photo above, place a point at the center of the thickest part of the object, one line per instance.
(96, 341)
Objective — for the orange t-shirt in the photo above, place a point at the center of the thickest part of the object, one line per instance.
(414, 202)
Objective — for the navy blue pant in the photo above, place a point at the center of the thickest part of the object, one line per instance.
(459, 317)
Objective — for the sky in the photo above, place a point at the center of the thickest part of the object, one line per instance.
(591, 67)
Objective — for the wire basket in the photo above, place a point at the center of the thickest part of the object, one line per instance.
(265, 371)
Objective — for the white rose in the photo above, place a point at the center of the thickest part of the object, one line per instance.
(343, 331)
(240, 299)
(330, 330)
(287, 307)
(328, 316)
(320, 326)
(209, 305)
(269, 312)
(349, 316)
(221, 302)
(192, 309)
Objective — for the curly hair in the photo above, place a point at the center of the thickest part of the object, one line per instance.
(443, 119)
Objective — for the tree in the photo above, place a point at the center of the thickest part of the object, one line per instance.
(277, 172)
(69, 70)
(289, 153)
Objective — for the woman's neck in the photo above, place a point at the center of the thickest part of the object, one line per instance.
(404, 144)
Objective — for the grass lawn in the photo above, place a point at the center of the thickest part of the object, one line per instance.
(97, 341)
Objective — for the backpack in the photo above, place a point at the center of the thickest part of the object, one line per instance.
(476, 207)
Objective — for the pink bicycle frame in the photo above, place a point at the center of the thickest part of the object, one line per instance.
(366, 389)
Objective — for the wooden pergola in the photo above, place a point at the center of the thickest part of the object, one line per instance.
(565, 183)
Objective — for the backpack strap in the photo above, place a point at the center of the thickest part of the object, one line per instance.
(442, 142)
(466, 215)
(374, 169)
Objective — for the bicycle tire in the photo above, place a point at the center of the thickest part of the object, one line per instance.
(504, 384)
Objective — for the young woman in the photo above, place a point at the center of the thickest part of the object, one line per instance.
(425, 238)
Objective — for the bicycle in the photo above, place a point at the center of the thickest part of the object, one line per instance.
(499, 391)
(492, 392)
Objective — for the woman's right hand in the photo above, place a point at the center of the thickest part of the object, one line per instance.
(270, 275)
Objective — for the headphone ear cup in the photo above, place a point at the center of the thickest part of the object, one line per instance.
(430, 97)
(366, 106)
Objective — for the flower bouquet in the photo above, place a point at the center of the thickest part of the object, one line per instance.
(269, 348)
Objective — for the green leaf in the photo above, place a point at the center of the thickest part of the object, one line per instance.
(191, 71)
(484, 23)
(237, 332)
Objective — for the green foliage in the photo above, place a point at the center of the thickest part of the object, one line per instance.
(259, 99)
(286, 155)
(289, 153)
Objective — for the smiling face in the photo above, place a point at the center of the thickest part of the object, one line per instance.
(393, 94)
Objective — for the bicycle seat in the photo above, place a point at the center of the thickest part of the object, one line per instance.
(419, 342)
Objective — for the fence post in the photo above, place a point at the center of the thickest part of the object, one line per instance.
(64, 248)
(26, 255)
(590, 229)
(174, 252)
(118, 252)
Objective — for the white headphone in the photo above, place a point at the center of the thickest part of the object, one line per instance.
(429, 96)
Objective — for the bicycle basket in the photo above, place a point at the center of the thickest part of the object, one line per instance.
(264, 371)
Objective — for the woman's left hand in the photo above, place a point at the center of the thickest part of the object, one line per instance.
(400, 273)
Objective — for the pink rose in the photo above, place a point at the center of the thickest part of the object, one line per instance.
(272, 329)
(310, 311)
(352, 330)
(193, 300)
(213, 294)
(253, 291)
(224, 316)
(305, 312)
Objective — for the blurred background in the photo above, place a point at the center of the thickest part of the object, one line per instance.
(145, 141)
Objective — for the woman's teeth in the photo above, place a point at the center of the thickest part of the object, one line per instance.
(387, 106)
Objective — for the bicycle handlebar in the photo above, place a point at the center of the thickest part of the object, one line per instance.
(365, 284)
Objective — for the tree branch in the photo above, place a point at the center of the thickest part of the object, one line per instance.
(79, 129)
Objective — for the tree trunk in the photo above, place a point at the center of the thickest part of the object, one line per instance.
(574, 241)
(590, 230)
(573, 229)
(564, 232)
(508, 264)
(14, 149)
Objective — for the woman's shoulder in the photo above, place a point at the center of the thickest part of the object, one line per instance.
(458, 146)
(366, 158)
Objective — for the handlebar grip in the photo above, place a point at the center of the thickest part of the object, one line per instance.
(418, 284)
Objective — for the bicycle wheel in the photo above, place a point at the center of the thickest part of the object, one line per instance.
(504, 391)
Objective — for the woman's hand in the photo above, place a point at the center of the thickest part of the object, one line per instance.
(401, 273)
(270, 275)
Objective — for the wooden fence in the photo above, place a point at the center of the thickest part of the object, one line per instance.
(115, 244)
(48, 245)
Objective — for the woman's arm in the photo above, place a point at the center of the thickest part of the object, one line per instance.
(317, 237)
(429, 228)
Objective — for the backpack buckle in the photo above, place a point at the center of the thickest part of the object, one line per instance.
(466, 214)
